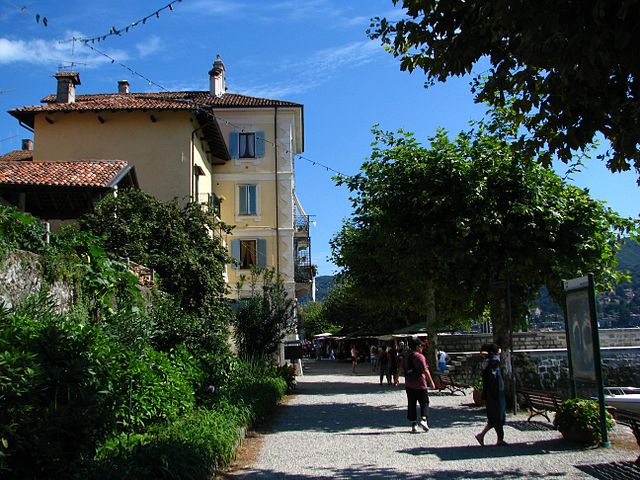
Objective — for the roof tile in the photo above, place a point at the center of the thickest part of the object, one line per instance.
(153, 101)
(81, 173)
(17, 156)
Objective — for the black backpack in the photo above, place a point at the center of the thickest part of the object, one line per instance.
(411, 373)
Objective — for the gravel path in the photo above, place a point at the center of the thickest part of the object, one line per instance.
(346, 426)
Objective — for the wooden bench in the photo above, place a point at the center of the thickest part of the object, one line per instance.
(539, 402)
(632, 419)
(445, 381)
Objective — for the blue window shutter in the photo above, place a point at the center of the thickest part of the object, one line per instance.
(235, 253)
(243, 204)
(233, 144)
(253, 201)
(259, 144)
(262, 253)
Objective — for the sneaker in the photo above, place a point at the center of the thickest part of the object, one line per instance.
(424, 425)
(414, 428)
(502, 443)
(480, 439)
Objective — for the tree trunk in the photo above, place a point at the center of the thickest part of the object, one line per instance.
(502, 338)
(431, 325)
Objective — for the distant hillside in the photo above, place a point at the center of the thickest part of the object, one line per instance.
(619, 308)
(629, 257)
(324, 284)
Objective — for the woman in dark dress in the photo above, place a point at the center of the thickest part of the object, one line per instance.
(493, 394)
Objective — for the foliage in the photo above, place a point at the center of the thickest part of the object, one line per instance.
(312, 319)
(56, 399)
(288, 374)
(152, 387)
(349, 306)
(263, 320)
(102, 283)
(176, 241)
(549, 62)
(257, 384)
(477, 385)
(581, 417)
(190, 448)
(472, 216)
(20, 231)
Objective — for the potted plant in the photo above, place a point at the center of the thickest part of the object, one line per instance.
(477, 393)
(579, 421)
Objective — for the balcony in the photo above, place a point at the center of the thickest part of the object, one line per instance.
(211, 202)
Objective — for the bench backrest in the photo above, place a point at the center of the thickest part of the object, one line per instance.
(541, 398)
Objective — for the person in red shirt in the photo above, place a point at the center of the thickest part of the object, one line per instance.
(416, 379)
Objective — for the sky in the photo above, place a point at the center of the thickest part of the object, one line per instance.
(313, 52)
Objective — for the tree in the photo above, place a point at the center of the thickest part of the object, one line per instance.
(471, 219)
(264, 320)
(311, 319)
(568, 69)
(176, 241)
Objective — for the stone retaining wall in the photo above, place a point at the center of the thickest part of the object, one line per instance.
(540, 358)
(614, 337)
(21, 276)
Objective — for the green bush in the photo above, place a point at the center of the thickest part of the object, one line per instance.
(257, 385)
(55, 392)
(152, 387)
(173, 239)
(20, 231)
(190, 448)
(580, 419)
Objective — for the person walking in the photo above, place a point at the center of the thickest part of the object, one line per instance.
(393, 365)
(416, 380)
(354, 358)
(383, 364)
(493, 394)
(442, 357)
(373, 357)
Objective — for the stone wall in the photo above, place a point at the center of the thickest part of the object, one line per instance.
(21, 276)
(540, 358)
(614, 337)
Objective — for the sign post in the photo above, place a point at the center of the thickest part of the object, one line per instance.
(583, 340)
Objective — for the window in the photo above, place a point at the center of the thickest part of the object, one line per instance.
(247, 145)
(247, 253)
(247, 199)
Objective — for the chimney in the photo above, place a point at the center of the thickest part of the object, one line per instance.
(217, 87)
(123, 86)
(67, 82)
(27, 144)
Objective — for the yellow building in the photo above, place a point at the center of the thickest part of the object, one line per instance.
(233, 152)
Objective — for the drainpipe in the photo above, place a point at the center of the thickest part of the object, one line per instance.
(275, 163)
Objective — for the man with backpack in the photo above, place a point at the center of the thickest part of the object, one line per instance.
(416, 379)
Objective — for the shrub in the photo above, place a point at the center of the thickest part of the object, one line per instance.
(172, 239)
(20, 231)
(579, 420)
(257, 385)
(55, 402)
(263, 321)
(152, 387)
(190, 448)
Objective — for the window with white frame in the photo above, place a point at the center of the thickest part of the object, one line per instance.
(247, 199)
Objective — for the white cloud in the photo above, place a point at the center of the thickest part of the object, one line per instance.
(53, 52)
(212, 7)
(149, 46)
(319, 67)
